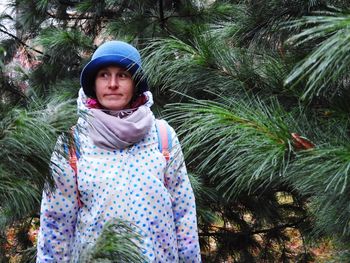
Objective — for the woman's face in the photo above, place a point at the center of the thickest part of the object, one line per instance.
(114, 88)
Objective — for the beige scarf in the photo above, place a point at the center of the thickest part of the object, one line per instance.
(118, 132)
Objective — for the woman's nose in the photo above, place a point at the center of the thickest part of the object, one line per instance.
(113, 81)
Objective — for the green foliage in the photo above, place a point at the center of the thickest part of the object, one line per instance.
(58, 42)
(323, 175)
(27, 136)
(118, 242)
(190, 68)
(246, 147)
(325, 67)
(61, 60)
(244, 144)
(208, 64)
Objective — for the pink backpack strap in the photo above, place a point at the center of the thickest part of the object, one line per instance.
(164, 138)
(73, 162)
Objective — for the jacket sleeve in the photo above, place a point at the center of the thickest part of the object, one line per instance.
(58, 213)
(184, 207)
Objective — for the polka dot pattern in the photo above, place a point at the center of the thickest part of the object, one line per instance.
(135, 184)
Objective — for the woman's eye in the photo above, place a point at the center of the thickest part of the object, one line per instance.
(103, 75)
(124, 75)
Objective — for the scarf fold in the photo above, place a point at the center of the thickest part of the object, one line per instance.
(113, 132)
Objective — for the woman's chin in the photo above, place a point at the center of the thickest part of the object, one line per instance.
(115, 106)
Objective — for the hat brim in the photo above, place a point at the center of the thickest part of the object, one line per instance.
(88, 74)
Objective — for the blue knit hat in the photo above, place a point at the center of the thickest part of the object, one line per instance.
(116, 53)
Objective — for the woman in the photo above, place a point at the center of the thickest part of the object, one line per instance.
(120, 172)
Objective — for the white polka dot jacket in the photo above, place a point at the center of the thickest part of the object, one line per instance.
(135, 184)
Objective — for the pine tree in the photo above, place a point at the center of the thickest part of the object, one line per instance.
(258, 91)
(264, 120)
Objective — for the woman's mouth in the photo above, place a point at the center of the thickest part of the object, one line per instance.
(113, 95)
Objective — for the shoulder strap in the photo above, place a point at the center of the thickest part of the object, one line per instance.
(74, 155)
(164, 138)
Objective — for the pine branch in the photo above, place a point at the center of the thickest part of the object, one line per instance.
(118, 242)
(240, 146)
(20, 41)
(330, 35)
(28, 137)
